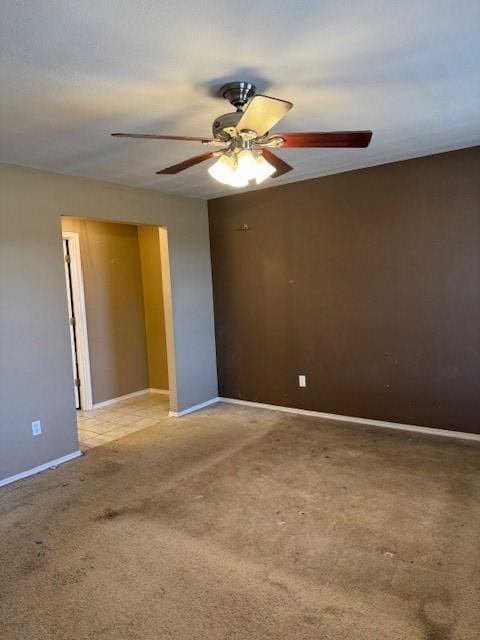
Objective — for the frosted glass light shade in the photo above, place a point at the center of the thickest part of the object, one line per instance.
(223, 170)
(237, 169)
(263, 170)
(246, 165)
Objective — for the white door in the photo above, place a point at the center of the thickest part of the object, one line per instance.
(71, 322)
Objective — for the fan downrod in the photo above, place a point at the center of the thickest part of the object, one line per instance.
(238, 93)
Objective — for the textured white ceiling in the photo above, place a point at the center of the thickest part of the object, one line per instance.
(73, 71)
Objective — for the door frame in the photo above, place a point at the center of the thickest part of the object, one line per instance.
(78, 296)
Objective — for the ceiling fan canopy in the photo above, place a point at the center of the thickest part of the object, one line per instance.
(242, 142)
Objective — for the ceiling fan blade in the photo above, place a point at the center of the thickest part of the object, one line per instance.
(262, 113)
(186, 164)
(154, 136)
(280, 166)
(359, 139)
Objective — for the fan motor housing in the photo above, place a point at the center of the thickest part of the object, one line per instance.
(224, 126)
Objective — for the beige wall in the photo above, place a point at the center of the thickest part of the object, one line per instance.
(149, 243)
(35, 360)
(114, 305)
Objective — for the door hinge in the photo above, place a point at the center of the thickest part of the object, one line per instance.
(67, 258)
(77, 382)
(72, 322)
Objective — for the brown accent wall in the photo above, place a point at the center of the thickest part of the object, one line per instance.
(114, 303)
(368, 282)
(149, 242)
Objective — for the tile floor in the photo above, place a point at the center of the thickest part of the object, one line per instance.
(104, 425)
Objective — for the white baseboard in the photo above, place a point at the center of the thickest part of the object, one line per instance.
(107, 403)
(196, 407)
(366, 421)
(42, 467)
(164, 392)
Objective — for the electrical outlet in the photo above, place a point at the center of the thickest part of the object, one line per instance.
(36, 428)
(302, 381)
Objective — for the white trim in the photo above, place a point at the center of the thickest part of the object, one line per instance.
(196, 407)
(107, 403)
(164, 392)
(367, 421)
(78, 295)
(42, 467)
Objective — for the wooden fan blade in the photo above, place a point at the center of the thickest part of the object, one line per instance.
(280, 166)
(262, 113)
(359, 139)
(186, 164)
(154, 136)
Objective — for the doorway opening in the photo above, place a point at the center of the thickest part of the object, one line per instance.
(118, 300)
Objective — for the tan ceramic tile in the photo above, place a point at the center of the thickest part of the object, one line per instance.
(85, 444)
(97, 441)
(142, 400)
(125, 419)
(141, 413)
(121, 431)
(106, 417)
(94, 413)
(133, 411)
(104, 425)
(103, 428)
(87, 423)
(123, 406)
(83, 434)
(152, 413)
(120, 417)
(85, 429)
(162, 407)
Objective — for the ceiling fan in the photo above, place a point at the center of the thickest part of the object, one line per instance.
(242, 140)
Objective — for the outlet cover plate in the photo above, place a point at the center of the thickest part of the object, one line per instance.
(36, 428)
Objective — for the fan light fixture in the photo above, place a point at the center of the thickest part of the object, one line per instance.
(242, 141)
(237, 168)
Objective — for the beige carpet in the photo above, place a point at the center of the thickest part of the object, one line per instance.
(237, 523)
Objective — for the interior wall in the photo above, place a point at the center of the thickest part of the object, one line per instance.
(367, 282)
(112, 277)
(151, 266)
(35, 362)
